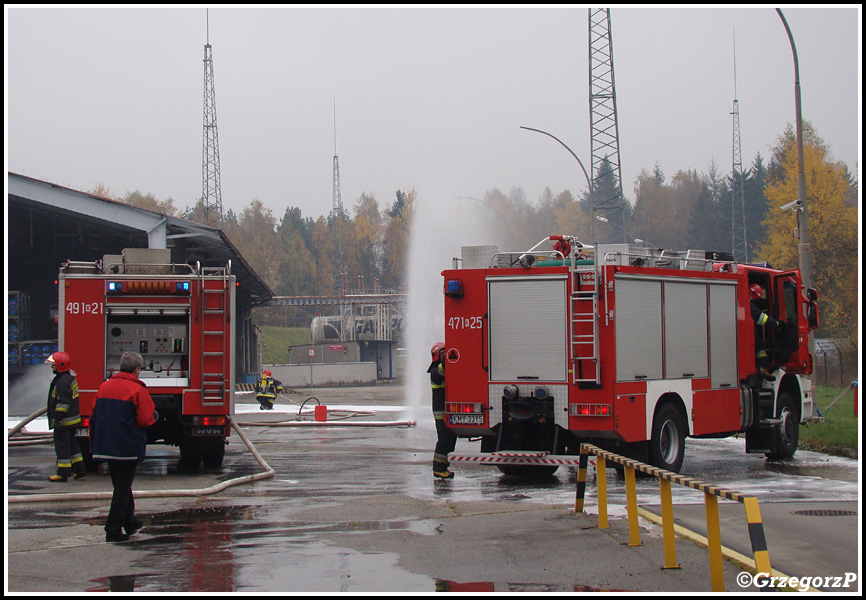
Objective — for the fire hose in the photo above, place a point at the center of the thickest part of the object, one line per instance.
(299, 420)
(268, 470)
(267, 474)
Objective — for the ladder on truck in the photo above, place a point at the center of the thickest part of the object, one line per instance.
(586, 367)
(215, 321)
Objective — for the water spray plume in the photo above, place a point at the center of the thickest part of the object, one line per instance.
(441, 225)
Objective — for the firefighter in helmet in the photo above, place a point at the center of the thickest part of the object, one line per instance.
(762, 320)
(64, 417)
(267, 389)
(446, 440)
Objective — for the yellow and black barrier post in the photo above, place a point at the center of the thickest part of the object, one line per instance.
(711, 495)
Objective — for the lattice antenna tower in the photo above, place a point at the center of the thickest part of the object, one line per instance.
(603, 121)
(738, 197)
(337, 211)
(211, 194)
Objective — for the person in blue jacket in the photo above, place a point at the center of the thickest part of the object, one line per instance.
(123, 410)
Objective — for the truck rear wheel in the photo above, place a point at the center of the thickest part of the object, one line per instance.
(668, 443)
(190, 456)
(212, 456)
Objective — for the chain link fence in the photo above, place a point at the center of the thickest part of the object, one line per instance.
(835, 362)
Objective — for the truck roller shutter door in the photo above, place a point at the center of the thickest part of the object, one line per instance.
(528, 329)
(638, 321)
(723, 336)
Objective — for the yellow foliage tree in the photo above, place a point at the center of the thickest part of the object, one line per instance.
(832, 228)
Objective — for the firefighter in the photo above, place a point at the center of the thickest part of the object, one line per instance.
(64, 417)
(122, 412)
(266, 390)
(761, 319)
(446, 440)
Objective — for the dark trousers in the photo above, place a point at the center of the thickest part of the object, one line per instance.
(69, 458)
(122, 511)
(445, 443)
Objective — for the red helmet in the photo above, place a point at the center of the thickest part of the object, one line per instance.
(60, 360)
(436, 349)
(755, 291)
(267, 374)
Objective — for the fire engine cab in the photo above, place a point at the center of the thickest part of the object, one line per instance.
(629, 347)
(180, 319)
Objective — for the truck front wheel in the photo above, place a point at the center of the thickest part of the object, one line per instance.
(668, 443)
(787, 433)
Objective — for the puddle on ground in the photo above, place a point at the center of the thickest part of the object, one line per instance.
(443, 585)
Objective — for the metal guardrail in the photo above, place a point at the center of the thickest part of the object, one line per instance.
(711, 495)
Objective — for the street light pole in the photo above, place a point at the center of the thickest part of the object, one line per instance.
(805, 250)
(588, 183)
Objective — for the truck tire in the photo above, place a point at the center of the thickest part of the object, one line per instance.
(787, 434)
(190, 457)
(668, 443)
(213, 455)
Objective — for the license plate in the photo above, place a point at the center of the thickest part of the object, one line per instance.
(208, 431)
(81, 432)
(467, 419)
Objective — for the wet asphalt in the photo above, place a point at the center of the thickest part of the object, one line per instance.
(355, 509)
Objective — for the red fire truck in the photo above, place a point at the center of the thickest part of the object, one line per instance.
(628, 347)
(180, 319)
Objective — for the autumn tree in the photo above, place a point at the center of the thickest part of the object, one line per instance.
(322, 243)
(570, 216)
(396, 240)
(832, 227)
(365, 257)
(652, 209)
(150, 202)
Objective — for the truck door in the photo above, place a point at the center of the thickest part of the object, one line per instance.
(791, 342)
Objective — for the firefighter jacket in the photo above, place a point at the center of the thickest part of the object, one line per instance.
(63, 408)
(437, 383)
(760, 317)
(122, 411)
(268, 387)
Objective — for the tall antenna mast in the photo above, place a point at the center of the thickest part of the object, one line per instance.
(337, 210)
(211, 194)
(603, 122)
(738, 198)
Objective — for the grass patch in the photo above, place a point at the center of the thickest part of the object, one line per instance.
(838, 434)
(276, 342)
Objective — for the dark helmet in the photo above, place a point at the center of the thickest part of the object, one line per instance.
(60, 360)
(755, 291)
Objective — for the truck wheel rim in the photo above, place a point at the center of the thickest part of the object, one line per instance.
(787, 427)
(670, 442)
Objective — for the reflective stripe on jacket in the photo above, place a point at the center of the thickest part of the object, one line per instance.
(63, 408)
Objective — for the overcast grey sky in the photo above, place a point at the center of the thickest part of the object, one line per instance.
(426, 98)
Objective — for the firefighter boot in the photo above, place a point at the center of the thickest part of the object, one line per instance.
(765, 373)
(57, 478)
(446, 474)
